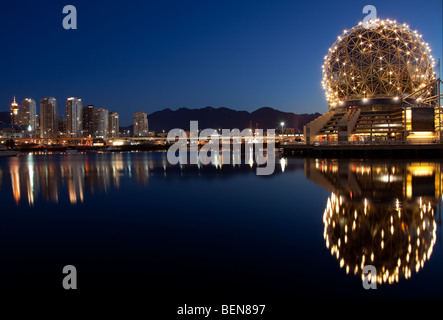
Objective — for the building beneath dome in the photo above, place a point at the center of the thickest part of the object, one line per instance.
(380, 86)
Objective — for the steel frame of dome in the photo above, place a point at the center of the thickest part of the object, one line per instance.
(387, 60)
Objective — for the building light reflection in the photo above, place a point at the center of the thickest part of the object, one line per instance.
(15, 181)
(283, 164)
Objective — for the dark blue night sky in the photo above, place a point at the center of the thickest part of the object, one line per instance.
(149, 55)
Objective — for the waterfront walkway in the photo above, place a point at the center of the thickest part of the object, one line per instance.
(373, 149)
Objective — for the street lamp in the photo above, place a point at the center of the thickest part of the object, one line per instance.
(282, 126)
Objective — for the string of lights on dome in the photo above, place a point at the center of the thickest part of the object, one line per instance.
(388, 60)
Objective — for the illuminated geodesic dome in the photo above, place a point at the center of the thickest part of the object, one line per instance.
(388, 60)
(396, 239)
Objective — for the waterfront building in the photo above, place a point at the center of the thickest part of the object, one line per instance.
(380, 85)
(141, 128)
(10, 131)
(114, 125)
(100, 123)
(49, 123)
(74, 118)
(88, 121)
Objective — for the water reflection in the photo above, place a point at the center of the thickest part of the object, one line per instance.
(52, 177)
(32, 175)
(380, 213)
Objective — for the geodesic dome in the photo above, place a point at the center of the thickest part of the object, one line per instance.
(388, 60)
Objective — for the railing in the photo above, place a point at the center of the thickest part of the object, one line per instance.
(387, 142)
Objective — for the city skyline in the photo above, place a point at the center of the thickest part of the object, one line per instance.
(193, 60)
(79, 122)
(63, 114)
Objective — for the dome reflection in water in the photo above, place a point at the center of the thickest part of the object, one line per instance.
(381, 214)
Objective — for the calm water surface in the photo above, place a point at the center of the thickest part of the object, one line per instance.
(131, 222)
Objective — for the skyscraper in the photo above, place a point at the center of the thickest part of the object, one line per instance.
(88, 121)
(37, 124)
(48, 118)
(62, 131)
(114, 125)
(141, 128)
(29, 111)
(15, 114)
(74, 118)
(100, 123)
